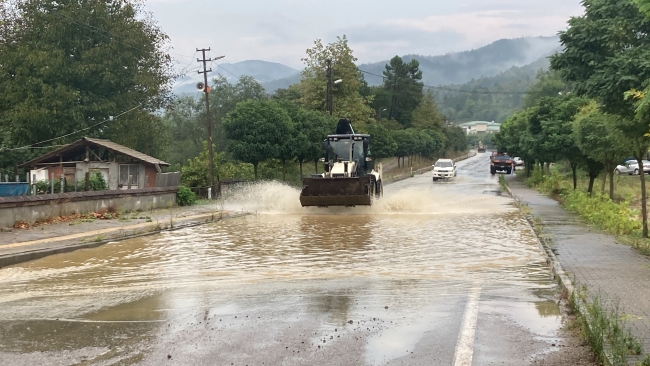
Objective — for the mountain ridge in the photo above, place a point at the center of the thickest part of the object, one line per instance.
(451, 68)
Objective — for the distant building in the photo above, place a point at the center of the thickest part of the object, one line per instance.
(121, 167)
(475, 127)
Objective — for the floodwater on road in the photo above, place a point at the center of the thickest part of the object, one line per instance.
(391, 283)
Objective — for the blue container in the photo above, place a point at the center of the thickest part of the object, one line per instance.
(8, 189)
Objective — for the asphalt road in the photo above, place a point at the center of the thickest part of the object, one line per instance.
(444, 273)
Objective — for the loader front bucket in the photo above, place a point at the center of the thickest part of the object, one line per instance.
(324, 192)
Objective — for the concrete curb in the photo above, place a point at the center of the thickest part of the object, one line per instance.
(559, 273)
(29, 255)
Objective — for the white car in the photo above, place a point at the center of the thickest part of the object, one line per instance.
(518, 161)
(632, 167)
(444, 169)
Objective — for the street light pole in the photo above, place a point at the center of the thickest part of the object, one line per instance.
(328, 97)
(381, 110)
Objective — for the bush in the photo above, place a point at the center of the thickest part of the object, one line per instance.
(97, 182)
(615, 218)
(185, 196)
(551, 183)
(536, 177)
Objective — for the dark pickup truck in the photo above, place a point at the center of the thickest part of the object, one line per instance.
(501, 162)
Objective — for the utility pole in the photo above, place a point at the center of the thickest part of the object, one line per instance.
(206, 90)
(393, 98)
(328, 97)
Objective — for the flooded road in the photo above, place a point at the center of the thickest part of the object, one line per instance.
(444, 273)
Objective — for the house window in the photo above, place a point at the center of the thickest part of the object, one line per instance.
(125, 171)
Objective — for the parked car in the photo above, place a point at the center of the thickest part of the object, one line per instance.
(632, 167)
(518, 161)
(444, 169)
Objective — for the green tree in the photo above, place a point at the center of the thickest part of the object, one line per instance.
(514, 137)
(598, 137)
(605, 57)
(456, 139)
(312, 128)
(382, 143)
(184, 120)
(257, 131)
(404, 81)
(347, 101)
(196, 171)
(224, 97)
(74, 64)
(434, 144)
(549, 84)
(426, 115)
(380, 102)
(404, 141)
(558, 135)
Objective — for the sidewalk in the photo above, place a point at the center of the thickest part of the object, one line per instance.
(594, 259)
(20, 245)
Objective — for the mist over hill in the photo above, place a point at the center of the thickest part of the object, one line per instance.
(461, 67)
(492, 98)
(262, 71)
(452, 68)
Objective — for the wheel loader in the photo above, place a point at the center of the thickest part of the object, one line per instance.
(350, 178)
(481, 147)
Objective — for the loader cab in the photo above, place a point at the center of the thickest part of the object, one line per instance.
(347, 149)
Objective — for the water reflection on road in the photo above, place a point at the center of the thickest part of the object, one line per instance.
(406, 262)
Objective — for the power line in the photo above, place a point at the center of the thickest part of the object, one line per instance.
(71, 133)
(120, 40)
(454, 90)
(112, 35)
(235, 66)
(226, 70)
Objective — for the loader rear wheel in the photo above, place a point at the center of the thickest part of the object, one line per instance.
(379, 189)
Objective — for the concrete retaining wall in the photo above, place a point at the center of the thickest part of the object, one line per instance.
(34, 208)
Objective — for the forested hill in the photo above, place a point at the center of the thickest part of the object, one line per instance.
(456, 68)
(491, 98)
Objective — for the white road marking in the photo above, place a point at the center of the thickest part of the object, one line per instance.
(465, 344)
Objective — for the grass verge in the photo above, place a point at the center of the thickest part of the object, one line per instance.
(603, 329)
(620, 216)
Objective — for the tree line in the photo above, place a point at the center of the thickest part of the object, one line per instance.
(591, 107)
(77, 65)
(289, 125)
(103, 69)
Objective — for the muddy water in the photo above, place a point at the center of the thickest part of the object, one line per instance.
(411, 259)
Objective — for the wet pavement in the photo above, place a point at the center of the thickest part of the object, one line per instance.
(444, 273)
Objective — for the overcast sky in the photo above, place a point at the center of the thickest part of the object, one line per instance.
(281, 30)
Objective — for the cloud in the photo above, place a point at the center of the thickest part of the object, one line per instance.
(482, 27)
(282, 30)
(375, 42)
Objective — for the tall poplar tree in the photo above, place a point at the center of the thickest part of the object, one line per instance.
(347, 100)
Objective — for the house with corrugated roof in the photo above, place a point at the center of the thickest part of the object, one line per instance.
(475, 127)
(121, 167)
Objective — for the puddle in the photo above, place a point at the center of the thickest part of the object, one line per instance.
(494, 192)
(542, 318)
